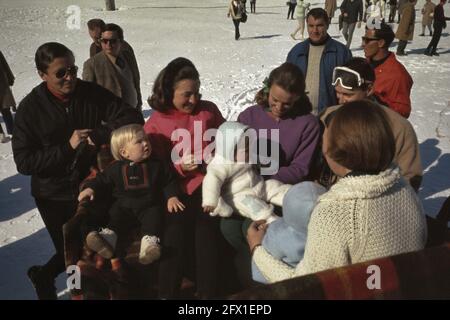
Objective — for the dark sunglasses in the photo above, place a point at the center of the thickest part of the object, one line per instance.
(64, 72)
(367, 39)
(111, 41)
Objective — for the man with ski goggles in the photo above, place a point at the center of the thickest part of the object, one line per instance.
(355, 81)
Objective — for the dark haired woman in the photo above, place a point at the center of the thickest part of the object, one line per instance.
(180, 113)
(371, 212)
(283, 108)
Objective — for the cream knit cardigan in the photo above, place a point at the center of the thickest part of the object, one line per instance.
(360, 218)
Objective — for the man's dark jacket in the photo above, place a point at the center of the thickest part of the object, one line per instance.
(42, 130)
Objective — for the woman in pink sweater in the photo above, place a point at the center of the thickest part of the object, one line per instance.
(177, 135)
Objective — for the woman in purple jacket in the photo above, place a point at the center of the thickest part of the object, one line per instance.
(287, 138)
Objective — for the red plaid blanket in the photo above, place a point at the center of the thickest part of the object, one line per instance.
(415, 275)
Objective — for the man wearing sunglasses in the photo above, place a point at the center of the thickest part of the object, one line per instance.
(355, 81)
(95, 29)
(316, 57)
(58, 127)
(393, 83)
(114, 68)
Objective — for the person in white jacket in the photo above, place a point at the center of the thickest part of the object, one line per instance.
(232, 183)
(302, 7)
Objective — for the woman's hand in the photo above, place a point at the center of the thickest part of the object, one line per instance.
(175, 205)
(255, 233)
(86, 193)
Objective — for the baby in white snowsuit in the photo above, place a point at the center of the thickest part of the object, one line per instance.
(232, 184)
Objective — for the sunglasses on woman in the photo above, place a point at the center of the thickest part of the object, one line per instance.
(64, 72)
(348, 78)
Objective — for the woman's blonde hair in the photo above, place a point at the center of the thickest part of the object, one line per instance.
(121, 136)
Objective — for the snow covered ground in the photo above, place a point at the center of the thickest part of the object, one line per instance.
(231, 72)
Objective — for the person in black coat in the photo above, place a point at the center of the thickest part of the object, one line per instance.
(253, 6)
(7, 101)
(58, 127)
(392, 10)
(352, 12)
(439, 23)
(292, 4)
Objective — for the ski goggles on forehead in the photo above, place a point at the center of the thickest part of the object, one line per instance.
(349, 79)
